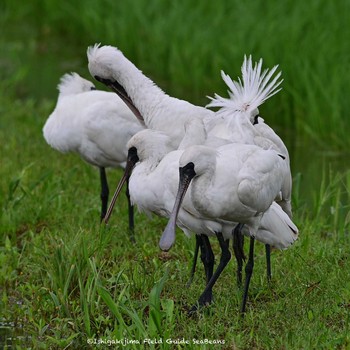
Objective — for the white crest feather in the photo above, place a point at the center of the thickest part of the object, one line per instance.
(253, 90)
(92, 50)
(73, 83)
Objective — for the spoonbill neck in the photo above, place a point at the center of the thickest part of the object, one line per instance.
(142, 91)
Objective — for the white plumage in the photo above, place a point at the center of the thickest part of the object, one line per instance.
(236, 183)
(252, 91)
(94, 124)
(238, 119)
(158, 110)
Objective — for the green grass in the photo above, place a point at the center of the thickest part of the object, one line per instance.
(66, 280)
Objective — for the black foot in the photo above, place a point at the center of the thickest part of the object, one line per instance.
(204, 301)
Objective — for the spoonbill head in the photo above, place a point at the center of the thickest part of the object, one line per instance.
(234, 182)
(147, 148)
(151, 104)
(73, 83)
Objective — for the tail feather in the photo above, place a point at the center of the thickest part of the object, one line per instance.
(276, 228)
(253, 90)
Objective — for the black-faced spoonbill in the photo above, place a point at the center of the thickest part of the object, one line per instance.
(152, 169)
(95, 124)
(158, 110)
(236, 183)
(238, 120)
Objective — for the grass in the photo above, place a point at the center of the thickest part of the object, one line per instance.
(65, 280)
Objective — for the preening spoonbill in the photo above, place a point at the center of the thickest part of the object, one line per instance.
(158, 110)
(236, 183)
(95, 124)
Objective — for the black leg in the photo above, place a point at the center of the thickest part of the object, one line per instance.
(131, 214)
(104, 192)
(194, 262)
(268, 262)
(238, 242)
(225, 258)
(207, 257)
(248, 274)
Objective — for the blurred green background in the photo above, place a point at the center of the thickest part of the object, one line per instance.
(183, 45)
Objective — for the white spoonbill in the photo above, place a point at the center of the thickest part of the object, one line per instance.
(158, 110)
(236, 183)
(153, 186)
(95, 124)
(238, 119)
(152, 169)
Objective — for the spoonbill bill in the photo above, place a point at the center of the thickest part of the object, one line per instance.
(236, 183)
(94, 124)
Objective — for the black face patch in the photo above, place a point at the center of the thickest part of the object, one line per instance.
(188, 170)
(132, 155)
(114, 85)
(121, 92)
